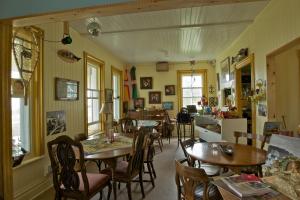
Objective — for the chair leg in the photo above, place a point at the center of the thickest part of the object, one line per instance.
(160, 144)
(109, 191)
(101, 195)
(57, 196)
(150, 173)
(141, 183)
(128, 185)
(153, 170)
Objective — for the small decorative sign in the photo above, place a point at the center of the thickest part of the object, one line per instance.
(67, 56)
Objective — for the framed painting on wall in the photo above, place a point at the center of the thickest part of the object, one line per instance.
(146, 83)
(139, 103)
(66, 89)
(167, 105)
(169, 90)
(225, 67)
(155, 97)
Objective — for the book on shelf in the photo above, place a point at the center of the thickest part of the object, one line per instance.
(247, 185)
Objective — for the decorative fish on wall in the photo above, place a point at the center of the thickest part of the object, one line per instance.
(67, 56)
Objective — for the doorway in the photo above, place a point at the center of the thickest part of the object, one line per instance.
(245, 84)
(283, 80)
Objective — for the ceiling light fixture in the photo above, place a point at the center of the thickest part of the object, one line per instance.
(94, 28)
(66, 37)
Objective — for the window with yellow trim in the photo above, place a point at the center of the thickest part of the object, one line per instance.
(94, 86)
(192, 86)
(27, 115)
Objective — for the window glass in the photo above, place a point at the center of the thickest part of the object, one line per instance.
(93, 96)
(191, 88)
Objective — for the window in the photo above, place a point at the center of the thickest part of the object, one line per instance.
(27, 117)
(94, 86)
(192, 86)
(117, 90)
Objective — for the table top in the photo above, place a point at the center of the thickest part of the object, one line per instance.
(99, 148)
(147, 123)
(243, 155)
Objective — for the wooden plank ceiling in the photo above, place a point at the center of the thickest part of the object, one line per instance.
(157, 30)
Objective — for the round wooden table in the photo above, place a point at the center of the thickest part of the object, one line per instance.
(243, 155)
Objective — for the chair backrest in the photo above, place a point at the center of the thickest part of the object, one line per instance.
(262, 138)
(150, 150)
(136, 160)
(128, 125)
(80, 137)
(185, 144)
(63, 153)
(190, 178)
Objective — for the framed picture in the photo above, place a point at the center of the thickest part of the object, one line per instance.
(167, 105)
(146, 82)
(170, 90)
(139, 103)
(262, 110)
(56, 122)
(108, 94)
(66, 89)
(271, 127)
(225, 64)
(154, 97)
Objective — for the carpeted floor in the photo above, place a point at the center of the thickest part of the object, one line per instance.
(165, 187)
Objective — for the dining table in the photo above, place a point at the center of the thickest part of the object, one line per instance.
(240, 156)
(102, 149)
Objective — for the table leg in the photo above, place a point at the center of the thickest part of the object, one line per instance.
(112, 163)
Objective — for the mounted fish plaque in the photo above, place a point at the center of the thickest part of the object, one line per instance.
(67, 56)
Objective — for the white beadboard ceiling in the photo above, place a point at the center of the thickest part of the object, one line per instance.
(185, 34)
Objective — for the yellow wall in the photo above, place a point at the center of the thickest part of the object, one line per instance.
(160, 79)
(275, 26)
(30, 179)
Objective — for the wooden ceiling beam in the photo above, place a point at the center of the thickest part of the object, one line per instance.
(119, 9)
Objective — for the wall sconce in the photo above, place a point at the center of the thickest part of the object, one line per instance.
(260, 91)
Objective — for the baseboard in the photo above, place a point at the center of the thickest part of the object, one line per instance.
(34, 190)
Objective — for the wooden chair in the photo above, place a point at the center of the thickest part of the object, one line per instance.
(126, 171)
(193, 183)
(211, 170)
(168, 126)
(68, 181)
(148, 159)
(128, 125)
(262, 138)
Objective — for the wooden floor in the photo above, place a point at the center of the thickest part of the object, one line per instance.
(165, 187)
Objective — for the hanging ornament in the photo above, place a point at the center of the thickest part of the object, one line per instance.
(26, 53)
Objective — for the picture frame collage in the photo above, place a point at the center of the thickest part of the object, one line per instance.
(154, 97)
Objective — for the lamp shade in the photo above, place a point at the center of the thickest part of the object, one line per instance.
(106, 108)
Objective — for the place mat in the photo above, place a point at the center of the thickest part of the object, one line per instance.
(147, 123)
(100, 144)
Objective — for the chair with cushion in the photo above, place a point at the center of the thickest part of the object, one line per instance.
(126, 171)
(70, 181)
(211, 170)
(193, 183)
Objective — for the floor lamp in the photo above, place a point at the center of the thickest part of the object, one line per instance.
(106, 109)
